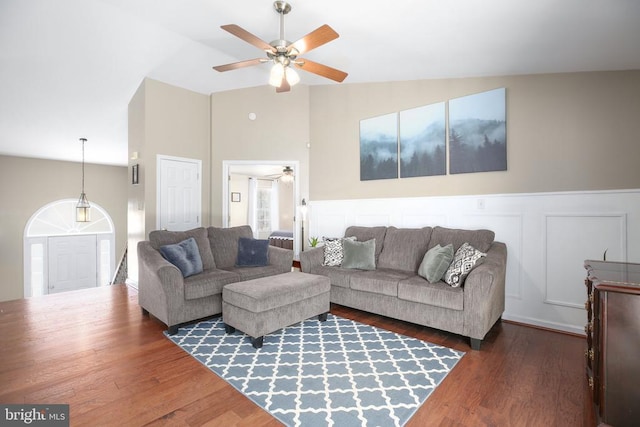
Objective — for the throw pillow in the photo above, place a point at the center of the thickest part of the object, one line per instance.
(252, 252)
(334, 251)
(465, 259)
(360, 255)
(184, 255)
(436, 262)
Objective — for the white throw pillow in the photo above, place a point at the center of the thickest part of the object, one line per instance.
(334, 251)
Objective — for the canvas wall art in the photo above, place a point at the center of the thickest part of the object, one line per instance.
(477, 133)
(422, 141)
(379, 147)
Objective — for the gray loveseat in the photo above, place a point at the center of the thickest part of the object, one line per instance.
(167, 295)
(394, 289)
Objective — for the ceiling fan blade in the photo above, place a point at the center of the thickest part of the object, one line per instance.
(248, 37)
(316, 38)
(284, 86)
(321, 70)
(236, 65)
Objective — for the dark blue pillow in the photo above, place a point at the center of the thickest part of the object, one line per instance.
(184, 255)
(252, 252)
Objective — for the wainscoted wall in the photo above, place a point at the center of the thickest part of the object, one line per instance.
(548, 237)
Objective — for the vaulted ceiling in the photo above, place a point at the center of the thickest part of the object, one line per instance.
(68, 68)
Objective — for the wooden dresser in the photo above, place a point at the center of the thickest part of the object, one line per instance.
(613, 341)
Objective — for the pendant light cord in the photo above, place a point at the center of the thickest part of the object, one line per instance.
(83, 141)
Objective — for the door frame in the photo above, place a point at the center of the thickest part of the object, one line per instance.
(294, 164)
(198, 163)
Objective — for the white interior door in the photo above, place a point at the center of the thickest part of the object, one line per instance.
(72, 263)
(179, 193)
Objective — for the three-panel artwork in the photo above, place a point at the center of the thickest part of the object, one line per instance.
(413, 142)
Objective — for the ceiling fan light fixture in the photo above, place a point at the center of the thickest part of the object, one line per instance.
(287, 174)
(292, 76)
(277, 72)
(284, 53)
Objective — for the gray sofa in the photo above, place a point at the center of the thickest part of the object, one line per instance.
(394, 289)
(167, 295)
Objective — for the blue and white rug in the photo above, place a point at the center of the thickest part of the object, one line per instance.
(333, 373)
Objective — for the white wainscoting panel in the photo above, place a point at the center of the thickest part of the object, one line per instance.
(548, 237)
(569, 240)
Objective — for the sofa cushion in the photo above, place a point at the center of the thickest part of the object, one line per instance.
(209, 282)
(436, 262)
(339, 276)
(360, 255)
(404, 248)
(159, 238)
(362, 234)
(184, 255)
(248, 273)
(252, 252)
(480, 239)
(224, 243)
(379, 281)
(438, 294)
(465, 259)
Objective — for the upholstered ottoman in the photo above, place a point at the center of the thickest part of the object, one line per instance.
(261, 306)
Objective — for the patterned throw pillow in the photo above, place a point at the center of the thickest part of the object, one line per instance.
(334, 251)
(464, 260)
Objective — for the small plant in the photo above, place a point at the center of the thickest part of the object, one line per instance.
(313, 241)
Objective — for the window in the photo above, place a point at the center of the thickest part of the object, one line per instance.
(263, 209)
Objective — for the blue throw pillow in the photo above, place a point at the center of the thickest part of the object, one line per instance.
(184, 255)
(252, 252)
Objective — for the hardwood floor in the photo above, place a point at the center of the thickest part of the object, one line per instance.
(94, 350)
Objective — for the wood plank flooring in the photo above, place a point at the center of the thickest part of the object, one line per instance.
(94, 350)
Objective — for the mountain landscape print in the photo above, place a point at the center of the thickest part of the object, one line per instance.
(422, 141)
(379, 147)
(477, 133)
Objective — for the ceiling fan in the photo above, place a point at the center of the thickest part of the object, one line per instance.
(284, 54)
(287, 175)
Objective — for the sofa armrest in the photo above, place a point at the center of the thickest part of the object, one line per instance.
(281, 258)
(311, 258)
(484, 292)
(160, 284)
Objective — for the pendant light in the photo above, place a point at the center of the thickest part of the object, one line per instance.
(83, 208)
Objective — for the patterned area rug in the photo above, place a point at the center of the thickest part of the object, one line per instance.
(333, 373)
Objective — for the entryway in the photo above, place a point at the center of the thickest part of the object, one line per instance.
(61, 254)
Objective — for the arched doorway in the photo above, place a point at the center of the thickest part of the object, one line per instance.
(61, 254)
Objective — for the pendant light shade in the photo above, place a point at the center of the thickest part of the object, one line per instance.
(83, 208)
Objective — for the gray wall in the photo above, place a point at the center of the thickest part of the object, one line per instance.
(171, 121)
(574, 131)
(279, 132)
(26, 185)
